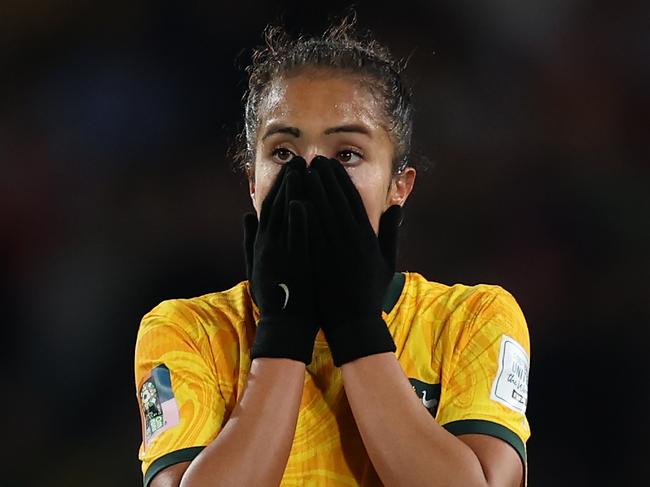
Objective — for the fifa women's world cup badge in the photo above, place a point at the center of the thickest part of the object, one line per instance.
(158, 404)
(151, 409)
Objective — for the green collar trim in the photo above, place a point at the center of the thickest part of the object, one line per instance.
(393, 292)
(391, 297)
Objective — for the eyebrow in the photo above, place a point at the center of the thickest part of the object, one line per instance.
(276, 128)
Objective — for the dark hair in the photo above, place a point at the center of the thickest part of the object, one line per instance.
(343, 48)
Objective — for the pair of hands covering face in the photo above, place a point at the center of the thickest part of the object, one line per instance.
(314, 261)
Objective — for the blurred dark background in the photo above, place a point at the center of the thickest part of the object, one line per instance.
(117, 193)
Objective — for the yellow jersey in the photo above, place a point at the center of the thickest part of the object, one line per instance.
(465, 350)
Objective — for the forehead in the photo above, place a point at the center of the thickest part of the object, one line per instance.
(321, 97)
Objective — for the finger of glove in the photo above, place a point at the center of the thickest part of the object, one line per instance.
(320, 207)
(279, 216)
(250, 232)
(291, 188)
(352, 195)
(388, 234)
(277, 225)
(298, 166)
(267, 204)
(295, 186)
(298, 234)
(334, 193)
(317, 239)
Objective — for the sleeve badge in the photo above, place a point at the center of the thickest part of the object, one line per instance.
(510, 386)
(158, 404)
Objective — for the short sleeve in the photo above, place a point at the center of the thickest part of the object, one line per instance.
(181, 407)
(486, 389)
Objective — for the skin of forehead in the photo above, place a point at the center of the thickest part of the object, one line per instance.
(348, 99)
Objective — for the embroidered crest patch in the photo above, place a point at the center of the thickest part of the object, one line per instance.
(158, 404)
(510, 386)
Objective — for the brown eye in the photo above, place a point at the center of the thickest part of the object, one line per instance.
(282, 155)
(349, 157)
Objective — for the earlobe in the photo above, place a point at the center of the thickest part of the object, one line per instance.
(401, 187)
(251, 190)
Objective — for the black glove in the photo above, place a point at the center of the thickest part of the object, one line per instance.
(280, 271)
(353, 266)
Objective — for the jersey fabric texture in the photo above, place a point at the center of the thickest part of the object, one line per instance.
(464, 349)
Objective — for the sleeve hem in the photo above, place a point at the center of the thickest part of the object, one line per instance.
(178, 456)
(483, 427)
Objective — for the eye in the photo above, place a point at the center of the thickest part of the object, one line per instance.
(282, 155)
(349, 157)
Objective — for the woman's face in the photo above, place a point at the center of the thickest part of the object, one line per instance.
(329, 114)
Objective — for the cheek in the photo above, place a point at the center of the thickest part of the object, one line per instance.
(265, 174)
(372, 187)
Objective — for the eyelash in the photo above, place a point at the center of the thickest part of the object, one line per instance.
(277, 150)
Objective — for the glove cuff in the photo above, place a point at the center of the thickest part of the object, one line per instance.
(353, 340)
(284, 337)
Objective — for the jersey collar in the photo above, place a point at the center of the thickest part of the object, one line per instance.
(393, 292)
(391, 297)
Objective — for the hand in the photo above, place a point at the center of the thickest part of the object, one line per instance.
(280, 271)
(353, 267)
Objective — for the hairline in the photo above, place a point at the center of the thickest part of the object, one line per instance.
(320, 71)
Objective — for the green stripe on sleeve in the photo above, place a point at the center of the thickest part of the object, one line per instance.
(178, 456)
(482, 427)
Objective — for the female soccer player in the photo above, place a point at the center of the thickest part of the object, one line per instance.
(327, 367)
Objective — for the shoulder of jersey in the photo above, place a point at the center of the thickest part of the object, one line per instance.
(455, 295)
(231, 308)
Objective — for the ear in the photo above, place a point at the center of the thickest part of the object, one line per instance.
(251, 189)
(401, 186)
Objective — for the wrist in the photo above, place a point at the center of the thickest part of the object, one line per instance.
(350, 340)
(277, 366)
(287, 337)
